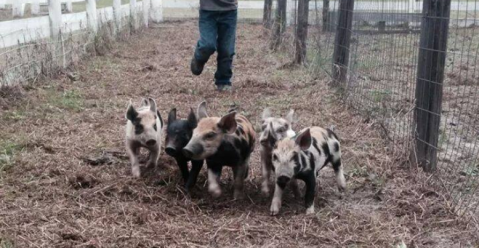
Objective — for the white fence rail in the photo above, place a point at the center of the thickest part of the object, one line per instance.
(21, 31)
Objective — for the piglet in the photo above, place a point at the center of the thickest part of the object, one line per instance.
(178, 134)
(222, 141)
(302, 157)
(143, 129)
(274, 129)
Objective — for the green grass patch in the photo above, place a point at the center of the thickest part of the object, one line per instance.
(69, 100)
(8, 150)
(5, 243)
(14, 115)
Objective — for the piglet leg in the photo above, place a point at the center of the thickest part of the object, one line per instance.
(133, 152)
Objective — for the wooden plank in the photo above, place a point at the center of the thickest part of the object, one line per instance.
(430, 77)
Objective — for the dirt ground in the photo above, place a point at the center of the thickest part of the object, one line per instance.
(53, 195)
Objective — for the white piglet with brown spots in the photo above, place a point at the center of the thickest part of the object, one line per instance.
(143, 129)
(302, 157)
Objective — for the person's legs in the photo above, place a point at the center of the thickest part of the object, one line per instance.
(206, 45)
(226, 47)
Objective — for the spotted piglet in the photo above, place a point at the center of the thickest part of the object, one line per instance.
(143, 129)
(302, 157)
(222, 141)
(274, 129)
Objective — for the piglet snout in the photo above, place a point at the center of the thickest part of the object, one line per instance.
(282, 181)
(170, 151)
(187, 152)
(151, 142)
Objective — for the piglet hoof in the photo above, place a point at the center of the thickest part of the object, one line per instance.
(274, 210)
(215, 192)
(310, 210)
(239, 195)
(135, 171)
(265, 191)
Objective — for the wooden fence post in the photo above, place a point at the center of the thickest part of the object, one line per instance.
(69, 6)
(279, 23)
(91, 14)
(301, 31)
(133, 15)
(412, 6)
(156, 13)
(146, 12)
(117, 14)
(35, 7)
(55, 16)
(430, 77)
(268, 7)
(326, 17)
(290, 15)
(342, 41)
(18, 9)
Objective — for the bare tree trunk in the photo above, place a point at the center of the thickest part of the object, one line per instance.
(268, 6)
(301, 31)
(279, 24)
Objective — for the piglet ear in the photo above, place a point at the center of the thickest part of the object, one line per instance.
(304, 140)
(161, 119)
(131, 113)
(192, 122)
(152, 104)
(202, 111)
(228, 123)
(290, 117)
(172, 116)
(144, 102)
(266, 114)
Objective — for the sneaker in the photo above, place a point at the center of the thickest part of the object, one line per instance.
(196, 67)
(224, 88)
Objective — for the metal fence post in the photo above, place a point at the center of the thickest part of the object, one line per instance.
(92, 16)
(429, 84)
(342, 41)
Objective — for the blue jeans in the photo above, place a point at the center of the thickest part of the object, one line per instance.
(218, 33)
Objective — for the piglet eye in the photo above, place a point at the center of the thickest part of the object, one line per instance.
(281, 130)
(263, 127)
(275, 157)
(155, 127)
(210, 136)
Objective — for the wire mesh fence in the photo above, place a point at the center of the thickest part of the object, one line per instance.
(387, 60)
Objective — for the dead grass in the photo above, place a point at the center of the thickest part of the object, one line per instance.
(52, 196)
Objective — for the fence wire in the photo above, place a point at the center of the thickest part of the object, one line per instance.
(382, 77)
